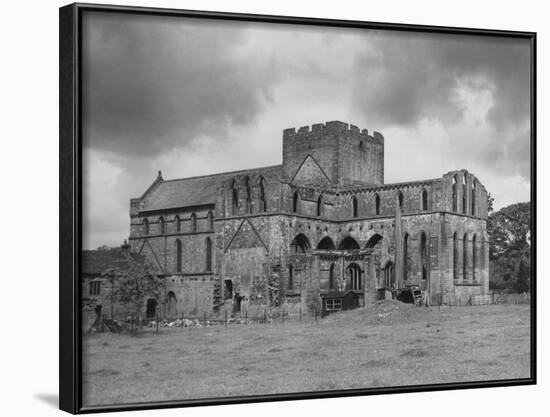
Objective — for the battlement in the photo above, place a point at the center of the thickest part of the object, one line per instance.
(332, 126)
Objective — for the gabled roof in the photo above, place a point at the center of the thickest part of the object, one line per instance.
(194, 191)
(97, 261)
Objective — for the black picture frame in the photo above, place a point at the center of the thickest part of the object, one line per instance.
(70, 205)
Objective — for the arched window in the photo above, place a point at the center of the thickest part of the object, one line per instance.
(295, 202)
(464, 195)
(247, 205)
(290, 277)
(300, 244)
(424, 200)
(406, 257)
(354, 276)
(178, 255)
(389, 275)
(171, 305)
(377, 204)
(262, 206)
(348, 243)
(400, 200)
(473, 198)
(354, 206)
(210, 220)
(177, 220)
(326, 243)
(455, 257)
(455, 193)
(424, 255)
(373, 241)
(162, 228)
(208, 248)
(331, 278)
(193, 222)
(465, 257)
(474, 257)
(320, 206)
(145, 226)
(234, 198)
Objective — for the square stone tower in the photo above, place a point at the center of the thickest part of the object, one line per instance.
(334, 152)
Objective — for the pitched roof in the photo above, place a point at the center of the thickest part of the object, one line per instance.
(194, 191)
(95, 262)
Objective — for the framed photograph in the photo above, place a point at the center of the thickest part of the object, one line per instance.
(261, 208)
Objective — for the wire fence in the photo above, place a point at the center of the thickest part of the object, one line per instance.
(132, 324)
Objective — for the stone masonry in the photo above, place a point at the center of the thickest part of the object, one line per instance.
(302, 234)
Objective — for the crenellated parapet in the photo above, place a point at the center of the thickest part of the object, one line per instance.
(320, 128)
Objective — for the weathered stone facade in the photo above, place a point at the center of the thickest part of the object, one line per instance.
(321, 224)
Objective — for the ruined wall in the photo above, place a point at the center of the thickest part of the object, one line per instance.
(255, 221)
(249, 198)
(469, 197)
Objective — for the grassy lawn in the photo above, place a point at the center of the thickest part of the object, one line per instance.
(383, 345)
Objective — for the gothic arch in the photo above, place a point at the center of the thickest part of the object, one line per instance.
(234, 198)
(262, 202)
(178, 255)
(373, 241)
(296, 202)
(348, 243)
(326, 243)
(465, 257)
(208, 250)
(399, 200)
(424, 199)
(300, 244)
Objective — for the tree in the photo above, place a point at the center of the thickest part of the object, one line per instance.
(509, 231)
(523, 283)
(134, 281)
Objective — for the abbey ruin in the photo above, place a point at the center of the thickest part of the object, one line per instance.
(318, 232)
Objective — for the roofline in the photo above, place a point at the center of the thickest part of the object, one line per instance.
(225, 173)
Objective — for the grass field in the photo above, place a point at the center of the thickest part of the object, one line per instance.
(383, 345)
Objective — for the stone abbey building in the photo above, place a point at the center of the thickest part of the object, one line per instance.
(318, 232)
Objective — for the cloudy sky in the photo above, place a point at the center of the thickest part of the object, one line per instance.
(193, 97)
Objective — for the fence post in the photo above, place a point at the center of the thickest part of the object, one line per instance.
(182, 319)
(246, 317)
(157, 323)
(300, 313)
(265, 316)
(204, 318)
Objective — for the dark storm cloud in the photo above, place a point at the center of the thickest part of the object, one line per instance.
(151, 84)
(413, 76)
(408, 77)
